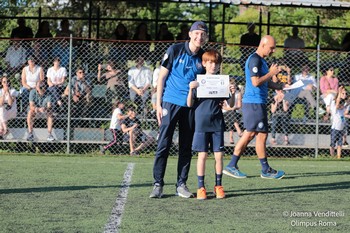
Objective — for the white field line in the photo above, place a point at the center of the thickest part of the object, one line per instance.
(116, 216)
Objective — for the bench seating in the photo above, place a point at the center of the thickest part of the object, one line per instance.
(101, 136)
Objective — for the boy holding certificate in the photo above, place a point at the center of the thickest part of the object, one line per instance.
(209, 127)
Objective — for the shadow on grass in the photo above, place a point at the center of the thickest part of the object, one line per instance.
(54, 189)
(289, 189)
(311, 174)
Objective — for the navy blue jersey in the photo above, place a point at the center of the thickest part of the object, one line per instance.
(208, 114)
(183, 68)
(255, 66)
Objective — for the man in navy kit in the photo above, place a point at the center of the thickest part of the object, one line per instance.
(180, 65)
(255, 118)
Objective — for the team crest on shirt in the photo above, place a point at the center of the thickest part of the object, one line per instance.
(199, 65)
(164, 112)
(255, 69)
(260, 125)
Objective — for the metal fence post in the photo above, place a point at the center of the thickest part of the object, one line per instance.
(317, 98)
(69, 93)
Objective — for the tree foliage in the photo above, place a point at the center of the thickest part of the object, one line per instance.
(131, 13)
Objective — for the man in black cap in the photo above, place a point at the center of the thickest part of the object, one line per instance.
(180, 65)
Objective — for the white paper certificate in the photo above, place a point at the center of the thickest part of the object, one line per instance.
(294, 85)
(213, 86)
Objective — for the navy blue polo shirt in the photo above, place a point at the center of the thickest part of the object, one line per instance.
(255, 66)
(208, 114)
(183, 68)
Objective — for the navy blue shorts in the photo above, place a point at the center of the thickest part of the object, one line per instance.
(336, 137)
(255, 117)
(202, 140)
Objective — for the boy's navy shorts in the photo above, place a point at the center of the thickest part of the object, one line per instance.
(255, 117)
(202, 140)
(336, 137)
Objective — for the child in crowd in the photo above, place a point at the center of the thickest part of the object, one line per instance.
(233, 114)
(338, 121)
(114, 127)
(209, 127)
(8, 106)
(280, 117)
(131, 126)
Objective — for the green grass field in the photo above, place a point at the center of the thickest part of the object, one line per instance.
(78, 193)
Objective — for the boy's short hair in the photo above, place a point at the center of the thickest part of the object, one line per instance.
(131, 109)
(212, 55)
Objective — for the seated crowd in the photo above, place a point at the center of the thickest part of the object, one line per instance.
(44, 92)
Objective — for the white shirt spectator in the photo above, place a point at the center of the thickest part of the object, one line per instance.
(155, 77)
(56, 76)
(32, 77)
(308, 79)
(5, 114)
(139, 77)
(115, 123)
(338, 120)
(16, 57)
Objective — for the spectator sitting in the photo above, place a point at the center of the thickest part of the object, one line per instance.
(61, 48)
(280, 117)
(64, 32)
(56, 76)
(115, 86)
(139, 78)
(141, 34)
(40, 105)
(183, 34)
(305, 93)
(345, 45)
(32, 75)
(15, 56)
(293, 45)
(44, 30)
(163, 35)
(8, 106)
(233, 114)
(248, 42)
(120, 32)
(132, 127)
(329, 85)
(118, 52)
(22, 31)
(80, 92)
(115, 127)
(43, 45)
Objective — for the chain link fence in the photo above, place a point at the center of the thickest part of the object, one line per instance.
(82, 124)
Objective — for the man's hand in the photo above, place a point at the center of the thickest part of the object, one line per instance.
(159, 114)
(274, 69)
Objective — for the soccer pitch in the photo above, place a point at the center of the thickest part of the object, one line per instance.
(110, 194)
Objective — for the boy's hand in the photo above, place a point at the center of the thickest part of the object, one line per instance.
(232, 88)
(193, 84)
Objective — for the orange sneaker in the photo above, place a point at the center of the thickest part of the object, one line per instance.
(201, 194)
(219, 191)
